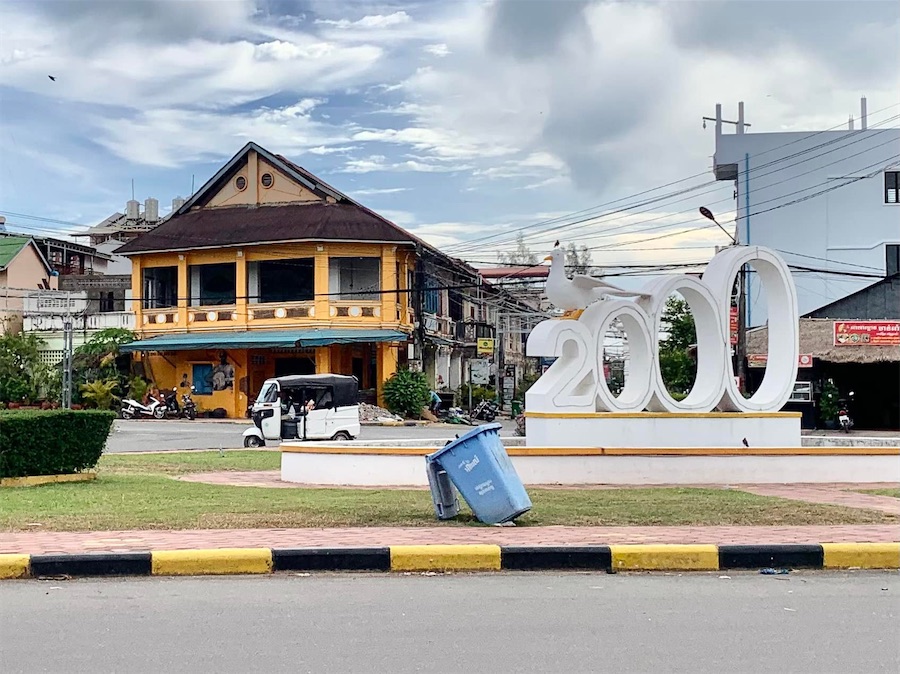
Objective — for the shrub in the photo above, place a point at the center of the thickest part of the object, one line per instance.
(479, 393)
(406, 393)
(137, 388)
(51, 442)
(100, 394)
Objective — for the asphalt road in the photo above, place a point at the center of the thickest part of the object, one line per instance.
(809, 622)
(153, 435)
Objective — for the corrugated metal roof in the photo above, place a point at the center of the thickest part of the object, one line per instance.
(262, 339)
(10, 247)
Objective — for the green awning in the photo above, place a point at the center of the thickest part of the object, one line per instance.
(261, 339)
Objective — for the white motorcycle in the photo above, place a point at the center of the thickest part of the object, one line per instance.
(132, 409)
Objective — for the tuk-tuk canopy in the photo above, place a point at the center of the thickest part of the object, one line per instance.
(345, 389)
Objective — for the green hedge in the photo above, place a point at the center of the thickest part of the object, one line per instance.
(51, 442)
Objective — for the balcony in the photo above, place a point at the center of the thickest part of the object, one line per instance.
(469, 333)
(47, 322)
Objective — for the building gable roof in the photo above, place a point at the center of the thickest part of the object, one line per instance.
(11, 246)
(336, 217)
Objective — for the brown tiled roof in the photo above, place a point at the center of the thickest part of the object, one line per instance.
(249, 225)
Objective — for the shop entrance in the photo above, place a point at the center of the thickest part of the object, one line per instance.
(289, 366)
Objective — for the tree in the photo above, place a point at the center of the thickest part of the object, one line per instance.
(99, 359)
(23, 377)
(578, 259)
(521, 255)
(679, 368)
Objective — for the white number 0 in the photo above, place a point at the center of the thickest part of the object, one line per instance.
(575, 382)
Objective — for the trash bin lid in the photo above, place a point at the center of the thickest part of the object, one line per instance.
(484, 428)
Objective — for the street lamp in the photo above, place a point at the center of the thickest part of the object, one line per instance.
(741, 350)
(706, 213)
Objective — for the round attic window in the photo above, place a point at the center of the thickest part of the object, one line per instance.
(267, 180)
(241, 183)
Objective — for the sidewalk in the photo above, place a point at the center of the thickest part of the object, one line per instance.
(48, 542)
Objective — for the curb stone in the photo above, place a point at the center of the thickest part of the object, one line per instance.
(406, 558)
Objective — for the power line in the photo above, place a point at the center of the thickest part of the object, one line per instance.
(466, 245)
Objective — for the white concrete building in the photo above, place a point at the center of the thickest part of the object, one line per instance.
(823, 199)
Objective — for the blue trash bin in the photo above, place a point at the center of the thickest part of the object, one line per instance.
(480, 468)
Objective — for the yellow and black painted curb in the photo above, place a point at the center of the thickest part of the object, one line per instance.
(399, 558)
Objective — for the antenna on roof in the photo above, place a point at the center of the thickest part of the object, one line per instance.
(192, 184)
(132, 189)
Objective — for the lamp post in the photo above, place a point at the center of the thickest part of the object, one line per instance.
(740, 351)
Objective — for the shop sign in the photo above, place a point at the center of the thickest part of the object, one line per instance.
(868, 333)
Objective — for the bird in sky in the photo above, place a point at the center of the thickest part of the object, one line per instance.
(51, 77)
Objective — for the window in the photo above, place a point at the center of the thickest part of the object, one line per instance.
(355, 278)
(892, 259)
(281, 281)
(892, 187)
(241, 183)
(431, 298)
(267, 180)
(160, 287)
(268, 394)
(202, 378)
(213, 284)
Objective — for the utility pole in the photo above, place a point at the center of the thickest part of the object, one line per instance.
(740, 351)
(68, 355)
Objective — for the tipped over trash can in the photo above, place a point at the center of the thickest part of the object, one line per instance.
(480, 468)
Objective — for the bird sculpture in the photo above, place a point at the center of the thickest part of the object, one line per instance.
(575, 294)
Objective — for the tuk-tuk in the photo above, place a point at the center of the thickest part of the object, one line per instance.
(305, 407)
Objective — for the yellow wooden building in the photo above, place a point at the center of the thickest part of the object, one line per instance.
(267, 271)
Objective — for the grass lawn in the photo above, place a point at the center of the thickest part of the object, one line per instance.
(138, 492)
(891, 491)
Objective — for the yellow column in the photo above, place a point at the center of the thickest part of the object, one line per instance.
(386, 365)
(323, 359)
(183, 291)
(389, 284)
(137, 292)
(241, 289)
(320, 283)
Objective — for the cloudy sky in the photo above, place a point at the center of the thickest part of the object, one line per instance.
(455, 119)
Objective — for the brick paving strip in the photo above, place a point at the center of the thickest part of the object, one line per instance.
(49, 542)
(840, 494)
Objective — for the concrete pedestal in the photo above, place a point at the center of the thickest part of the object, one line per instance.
(650, 430)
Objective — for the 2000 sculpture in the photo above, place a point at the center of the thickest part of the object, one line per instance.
(575, 381)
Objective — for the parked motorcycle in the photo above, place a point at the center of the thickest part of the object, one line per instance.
(486, 411)
(186, 410)
(188, 406)
(845, 421)
(132, 409)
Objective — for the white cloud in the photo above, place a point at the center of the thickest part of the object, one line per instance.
(373, 191)
(171, 137)
(338, 149)
(402, 218)
(374, 163)
(439, 50)
(370, 21)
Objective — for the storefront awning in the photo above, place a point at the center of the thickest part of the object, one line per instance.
(261, 339)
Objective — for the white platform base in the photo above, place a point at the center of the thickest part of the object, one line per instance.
(406, 467)
(652, 430)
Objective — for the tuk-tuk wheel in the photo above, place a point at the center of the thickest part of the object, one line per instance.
(252, 441)
(342, 435)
